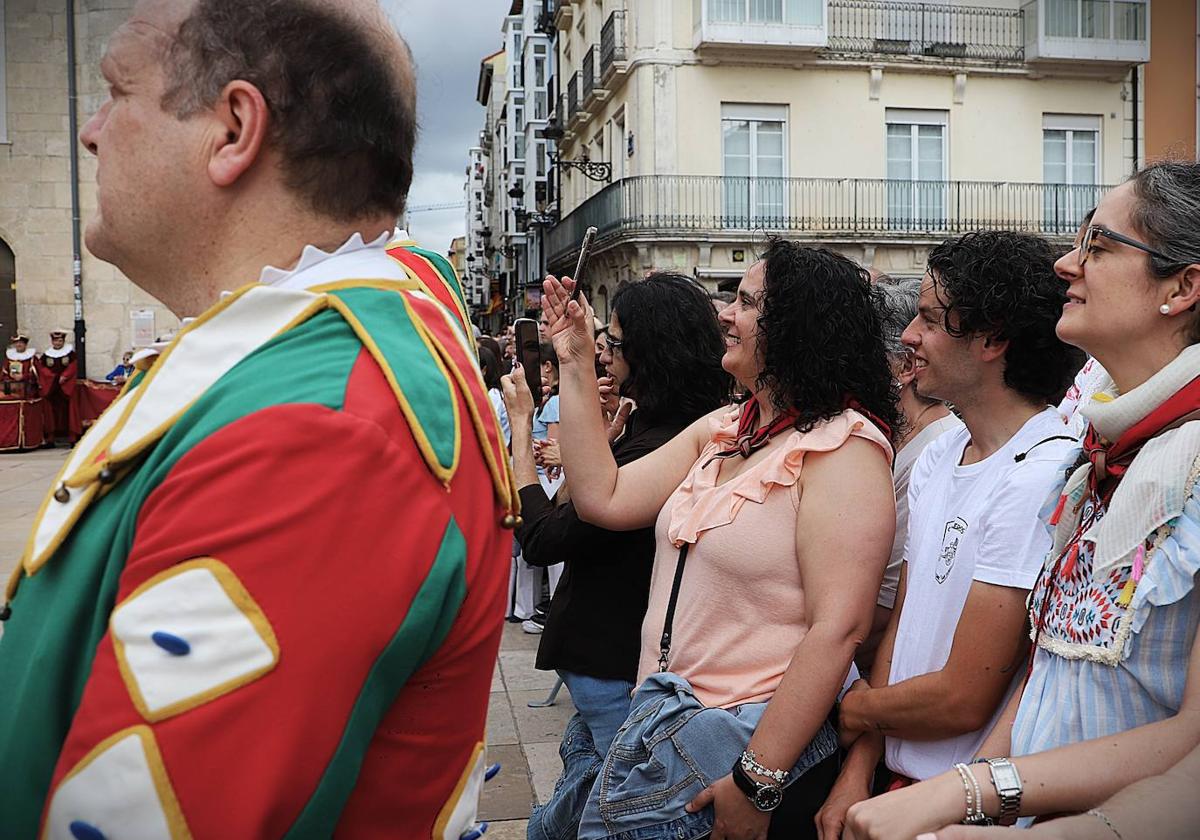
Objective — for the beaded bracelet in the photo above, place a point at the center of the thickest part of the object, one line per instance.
(1098, 814)
(974, 815)
(750, 765)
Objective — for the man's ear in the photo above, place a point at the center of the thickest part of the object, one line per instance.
(906, 369)
(242, 116)
(993, 347)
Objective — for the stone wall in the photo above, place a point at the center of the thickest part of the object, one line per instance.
(35, 189)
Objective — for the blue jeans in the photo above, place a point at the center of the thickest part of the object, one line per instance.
(601, 707)
(671, 748)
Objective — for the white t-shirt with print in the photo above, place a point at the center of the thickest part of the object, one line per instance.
(968, 523)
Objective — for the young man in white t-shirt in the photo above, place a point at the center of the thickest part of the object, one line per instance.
(984, 341)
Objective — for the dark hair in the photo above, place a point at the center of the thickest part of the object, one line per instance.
(339, 88)
(1002, 283)
(672, 343)
(821, 337)
(489, 366)
(547, 353)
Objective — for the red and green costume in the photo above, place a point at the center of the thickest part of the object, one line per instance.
(267, 589)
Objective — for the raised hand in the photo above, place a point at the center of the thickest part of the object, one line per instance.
(571, 322)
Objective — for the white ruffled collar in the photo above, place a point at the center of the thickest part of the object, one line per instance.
(353, 258)
(60, 352)
(12, 354)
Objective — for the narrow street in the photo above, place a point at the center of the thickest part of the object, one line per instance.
(523, 740)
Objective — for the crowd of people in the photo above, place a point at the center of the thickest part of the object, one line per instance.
(848, 556)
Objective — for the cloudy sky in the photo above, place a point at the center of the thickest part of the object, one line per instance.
(448, 38)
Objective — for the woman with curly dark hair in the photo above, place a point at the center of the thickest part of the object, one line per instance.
(663, 351)
(744, 651)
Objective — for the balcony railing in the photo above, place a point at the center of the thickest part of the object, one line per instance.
(696, 206)
(612, 44)
(589, 73)
(925, 29)
(573, 95)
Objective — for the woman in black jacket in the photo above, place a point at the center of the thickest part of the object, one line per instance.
(663, 352)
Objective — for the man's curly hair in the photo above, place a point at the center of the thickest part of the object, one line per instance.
(821, 336)
(1002, 284)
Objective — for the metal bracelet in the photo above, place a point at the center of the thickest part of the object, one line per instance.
(1100, 815)
(750, 764)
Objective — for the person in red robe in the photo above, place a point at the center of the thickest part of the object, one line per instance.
(19, 375)
(57, 370)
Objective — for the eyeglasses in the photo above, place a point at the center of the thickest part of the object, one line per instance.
(1085, 244)
(614, 344)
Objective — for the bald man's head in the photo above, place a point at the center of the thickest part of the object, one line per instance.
(337, 78)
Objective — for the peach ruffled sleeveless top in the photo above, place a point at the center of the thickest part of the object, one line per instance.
(741, 610)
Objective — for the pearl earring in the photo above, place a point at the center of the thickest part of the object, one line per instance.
(1165, 309)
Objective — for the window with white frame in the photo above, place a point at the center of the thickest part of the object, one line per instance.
(916, 166)
(795, 12)
(754, 164)
(1070, 168)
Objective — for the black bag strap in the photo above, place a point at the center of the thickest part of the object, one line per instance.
(664, 645)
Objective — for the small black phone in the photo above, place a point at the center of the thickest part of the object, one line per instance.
(529, 354)
(585, 251)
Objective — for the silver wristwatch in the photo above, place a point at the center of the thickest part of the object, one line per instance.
(1007, 782)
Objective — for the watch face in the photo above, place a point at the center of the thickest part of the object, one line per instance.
(768, 798)
(1006, 777)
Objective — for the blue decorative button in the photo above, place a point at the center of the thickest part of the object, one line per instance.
(171, 643)
(85, 831)
(475, 833)
(491, 771)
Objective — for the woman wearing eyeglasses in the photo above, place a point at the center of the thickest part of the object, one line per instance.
(1113, 692)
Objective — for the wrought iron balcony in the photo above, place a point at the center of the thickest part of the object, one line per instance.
(589, 73)
(1101, 31)
(925, 29)
(703, 207)
(573, 96)
(612, 46)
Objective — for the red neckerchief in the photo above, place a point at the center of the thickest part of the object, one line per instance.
(750, 438)
(1111, 460)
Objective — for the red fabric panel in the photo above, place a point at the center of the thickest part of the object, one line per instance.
(427, 738)
(330, 520)
(21, 425)
(89, 402)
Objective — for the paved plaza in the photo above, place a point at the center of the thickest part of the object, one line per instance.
(523, 740)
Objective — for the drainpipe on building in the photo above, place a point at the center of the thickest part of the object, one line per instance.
(76, 249)
(1134, 91)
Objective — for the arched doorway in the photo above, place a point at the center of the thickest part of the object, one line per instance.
(8, 292)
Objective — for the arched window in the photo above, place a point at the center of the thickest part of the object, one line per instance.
(602, 304)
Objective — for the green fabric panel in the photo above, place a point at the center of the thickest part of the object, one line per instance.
(60, 614)
(446, 270)
(428, 391)
(424, 628)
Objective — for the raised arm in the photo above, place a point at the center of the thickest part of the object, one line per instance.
(617, 499)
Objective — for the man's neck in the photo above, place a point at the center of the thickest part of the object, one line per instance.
(992, 419)
(235, 255)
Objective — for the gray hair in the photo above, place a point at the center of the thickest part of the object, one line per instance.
(898, 304)
(1167, 212)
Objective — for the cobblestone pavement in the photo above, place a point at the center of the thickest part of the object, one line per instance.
(523, 740)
